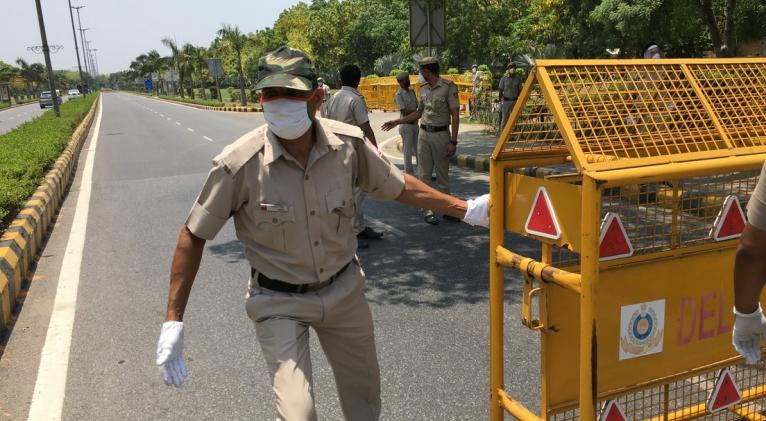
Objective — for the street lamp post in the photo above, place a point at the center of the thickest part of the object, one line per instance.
(95, 64)
(82, 38)
(46, 53)
(76, 49)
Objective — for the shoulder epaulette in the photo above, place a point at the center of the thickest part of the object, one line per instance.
(236, 154)
(340, 128)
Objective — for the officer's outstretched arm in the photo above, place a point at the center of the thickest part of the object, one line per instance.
(409, 118)
(186, 260)
(749, 269)
(420, 195)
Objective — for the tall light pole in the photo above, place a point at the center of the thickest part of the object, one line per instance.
(82, 35)
(95, 64)
(46, 53)
(76, 49)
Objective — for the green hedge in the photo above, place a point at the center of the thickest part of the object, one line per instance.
(29, 151)
(4, 105)
(208, 103)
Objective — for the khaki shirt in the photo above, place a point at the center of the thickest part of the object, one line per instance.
(406, 100)
(348, 106)
(510, 87)
(294, 223)
(436, 102)
(756, 207)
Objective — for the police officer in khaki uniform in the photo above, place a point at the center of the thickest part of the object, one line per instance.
(326, 97)
(407, 102)
(508, 91)
(750, 277)
(438, 110)
(289, 187)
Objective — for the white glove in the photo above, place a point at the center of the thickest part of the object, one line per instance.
(478, 211)
(747, 334)
(170, 359)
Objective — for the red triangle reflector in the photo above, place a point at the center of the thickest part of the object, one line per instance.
(613, 242)
(542, 218)
(730, 221)
(725, 393)
(612, 412)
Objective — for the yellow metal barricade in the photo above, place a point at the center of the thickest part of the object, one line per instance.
(632, 295)
(379, 92)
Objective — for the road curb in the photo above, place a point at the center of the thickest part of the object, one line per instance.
(470, 162)
(24, 237)
(208, 107)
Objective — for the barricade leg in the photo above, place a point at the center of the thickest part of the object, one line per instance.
(591, 203)
(496, 273)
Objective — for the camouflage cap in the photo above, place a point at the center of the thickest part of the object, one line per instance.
(428, 60)
(286, 68)
(402, 76)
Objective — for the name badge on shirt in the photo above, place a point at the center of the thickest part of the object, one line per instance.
(273, 207)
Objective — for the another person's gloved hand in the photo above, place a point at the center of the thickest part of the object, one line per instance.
(747, 333)
(478, 211)
(170, 359)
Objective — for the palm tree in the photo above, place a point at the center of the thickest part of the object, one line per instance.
(149, 63)
(235, 40)
(32, 73)
(189, 64)
(196, 63)
(177, 57)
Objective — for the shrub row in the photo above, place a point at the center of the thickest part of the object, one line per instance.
(29, 151)
(208, 103)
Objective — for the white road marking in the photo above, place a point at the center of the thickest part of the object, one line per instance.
(207, 138)
(156, 112)
(168, 118)
(387, 228)
(190, 129)
(178, 123)
(162, 115)
(48, 397)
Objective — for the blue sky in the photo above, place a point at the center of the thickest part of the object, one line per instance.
(122, 29)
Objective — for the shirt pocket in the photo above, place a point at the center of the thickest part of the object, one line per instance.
(340, 209)
(271, 227)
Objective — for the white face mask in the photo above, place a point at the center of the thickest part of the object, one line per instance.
(287, 118)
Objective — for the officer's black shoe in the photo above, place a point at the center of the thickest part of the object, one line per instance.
(369, 234)
(361, 244)
(451, 218)
(431, 219)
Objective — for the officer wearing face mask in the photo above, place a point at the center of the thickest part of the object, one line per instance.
(289, 187)
(407, 103)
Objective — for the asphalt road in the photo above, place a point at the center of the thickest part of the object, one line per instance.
(11, 118)
(427, 286)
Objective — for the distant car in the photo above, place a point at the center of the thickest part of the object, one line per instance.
(46, 99)
(74, 93)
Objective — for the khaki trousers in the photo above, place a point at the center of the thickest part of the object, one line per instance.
(432, 156)
(341, 318)
(506, 108)
(409, 134)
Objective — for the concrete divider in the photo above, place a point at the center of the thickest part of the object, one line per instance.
(250, 109)
(24, 237)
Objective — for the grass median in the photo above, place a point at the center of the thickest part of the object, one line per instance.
(29, 151)
(205, 102)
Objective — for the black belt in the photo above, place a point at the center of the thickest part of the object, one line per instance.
(280, 286)
(433, 129)
(510, 99)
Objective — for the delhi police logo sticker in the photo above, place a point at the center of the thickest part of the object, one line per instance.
(641, 329)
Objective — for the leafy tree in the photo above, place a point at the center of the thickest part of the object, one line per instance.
(234, 40)
(178, 60)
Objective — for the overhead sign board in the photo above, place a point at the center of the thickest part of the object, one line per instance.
(428, 23)
(215, 67)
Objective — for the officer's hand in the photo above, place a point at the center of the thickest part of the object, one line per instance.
(746, 337)
(478, 211)
(388, 125)
(451, 149)
(170, 359)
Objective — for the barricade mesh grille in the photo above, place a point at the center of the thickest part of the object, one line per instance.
(535, 129)
(634, 111)
(675, 213)
(737, 93)
(686, 399)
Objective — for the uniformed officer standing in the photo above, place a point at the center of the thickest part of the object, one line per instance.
(750, 276)
(476, 80)
(407, 103)
(326, 97)
(508, 90)
(438, 110)
(348, 106)
(288, 185)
